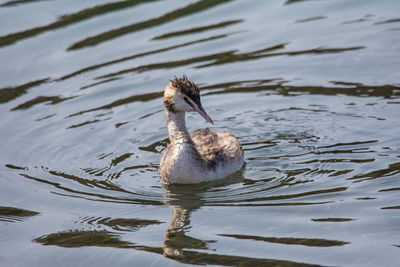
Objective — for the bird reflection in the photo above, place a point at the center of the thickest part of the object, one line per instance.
(178, 245)
(177, 240)
(184, 200)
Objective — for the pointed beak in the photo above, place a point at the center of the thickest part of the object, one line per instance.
(199, 109)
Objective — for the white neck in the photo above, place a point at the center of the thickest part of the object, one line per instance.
(183, 162)
(178, 134)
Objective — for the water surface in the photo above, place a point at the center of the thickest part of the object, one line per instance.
(310, 88)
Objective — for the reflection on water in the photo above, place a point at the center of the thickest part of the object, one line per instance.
(167, 17)
(197, 29)
(10, 214)
(292, 241)
(75, 239)
(310, 88)
(177, 245)
(10, 93)
(66, 20)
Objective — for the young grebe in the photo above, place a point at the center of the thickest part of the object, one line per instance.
(202, 155)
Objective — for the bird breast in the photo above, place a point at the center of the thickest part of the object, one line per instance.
(182, 164)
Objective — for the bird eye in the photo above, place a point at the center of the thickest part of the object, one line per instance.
(187, 101)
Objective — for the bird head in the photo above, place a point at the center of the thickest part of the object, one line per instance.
(182, 95)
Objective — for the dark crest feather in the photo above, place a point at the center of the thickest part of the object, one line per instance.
(187, 88)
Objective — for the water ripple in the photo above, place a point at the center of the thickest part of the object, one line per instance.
(11, 214)
(167, 17)
(83, 129)
(69, 19)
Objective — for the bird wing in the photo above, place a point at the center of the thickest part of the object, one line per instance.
(216, 147)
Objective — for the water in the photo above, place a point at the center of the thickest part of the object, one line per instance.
(311, 89)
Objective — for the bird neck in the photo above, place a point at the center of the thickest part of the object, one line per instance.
(178, 134)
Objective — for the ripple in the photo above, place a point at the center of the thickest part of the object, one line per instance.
(309, 242)
(76, 239)
(114, 224)
(317, 114)
(167, 17)
(131, 99)
(8, 94)
(67, 20)
(197, 29)
(310, 19)
(333, 220)
(391, 208)
(127, 224)
(391, 170)
(11, 214)
(278, 86)
(134, 56)
(221, 193)
(367, 17)
(95, 190)
(41, 99)
(238, 57)
(395, 20)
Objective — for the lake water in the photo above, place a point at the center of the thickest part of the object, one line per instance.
(310, 88)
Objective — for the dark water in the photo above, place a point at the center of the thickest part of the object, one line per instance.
(311, 88)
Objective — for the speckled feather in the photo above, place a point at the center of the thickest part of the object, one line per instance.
(202, 155)
(216, 148)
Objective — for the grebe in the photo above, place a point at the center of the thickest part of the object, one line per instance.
(202, 155)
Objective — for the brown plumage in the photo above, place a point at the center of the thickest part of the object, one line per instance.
(214, 148)
(199, 156)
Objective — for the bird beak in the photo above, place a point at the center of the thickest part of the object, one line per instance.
(199, 109)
